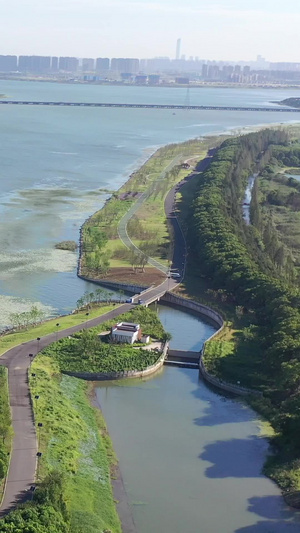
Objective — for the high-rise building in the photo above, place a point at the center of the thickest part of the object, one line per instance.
(178, 47)
(54, 64)
(34, 64)
(102, 64)
(125, 64)
(68, 64)
(8, 63)
(88, 64)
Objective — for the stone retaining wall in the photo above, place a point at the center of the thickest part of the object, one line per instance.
(101, 376)
(195, 306)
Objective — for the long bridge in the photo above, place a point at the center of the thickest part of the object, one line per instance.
(152, 106)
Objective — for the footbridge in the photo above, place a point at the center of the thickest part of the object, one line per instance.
(268, 109)
(183, 359)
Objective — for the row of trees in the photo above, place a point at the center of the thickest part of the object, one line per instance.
(27, 318)
(95, 257)
(224, 248)
(99, 296)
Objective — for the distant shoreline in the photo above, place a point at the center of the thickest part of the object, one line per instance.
(203, 85)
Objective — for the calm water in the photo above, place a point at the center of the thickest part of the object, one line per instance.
(55, 161)
(191, 460)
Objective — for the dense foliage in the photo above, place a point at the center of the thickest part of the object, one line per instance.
(46, 513)
(88, 354)
(230, 254)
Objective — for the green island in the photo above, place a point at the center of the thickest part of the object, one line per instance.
(70, 246)
(86, 352)
(250, 273)
(292, 102)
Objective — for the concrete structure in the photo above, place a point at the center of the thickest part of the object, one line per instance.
(126, 332)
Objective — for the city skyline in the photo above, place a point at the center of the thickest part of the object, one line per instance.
(225, 30)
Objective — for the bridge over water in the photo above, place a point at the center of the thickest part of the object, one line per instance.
(151, 106)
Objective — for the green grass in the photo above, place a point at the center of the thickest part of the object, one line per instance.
(74, 441)
(46, 328)
(5, 428)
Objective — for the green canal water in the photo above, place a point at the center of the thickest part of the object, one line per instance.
(191, 459)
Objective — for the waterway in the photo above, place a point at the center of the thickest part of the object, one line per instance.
(55, 163)
(191, 459)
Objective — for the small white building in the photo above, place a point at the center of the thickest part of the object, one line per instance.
(126, 332)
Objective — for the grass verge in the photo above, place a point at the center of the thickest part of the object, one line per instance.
(5, 429)
(10, 340)
(74, 441)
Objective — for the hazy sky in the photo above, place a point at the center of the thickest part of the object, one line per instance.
(225, 29)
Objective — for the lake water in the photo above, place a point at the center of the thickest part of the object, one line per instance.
(55, 160)
(191, 459)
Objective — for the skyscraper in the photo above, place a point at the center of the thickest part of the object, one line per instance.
(178, 46)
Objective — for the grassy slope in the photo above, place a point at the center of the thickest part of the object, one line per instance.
(13, 339)
(6, 440)
(74, 440)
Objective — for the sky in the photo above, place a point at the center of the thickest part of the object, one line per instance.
(222, 29)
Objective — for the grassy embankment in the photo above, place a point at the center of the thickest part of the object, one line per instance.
(148, 227)
(10, 340)
(74, 441)
(5, 428)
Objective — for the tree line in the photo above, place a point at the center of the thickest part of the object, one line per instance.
(228, 253)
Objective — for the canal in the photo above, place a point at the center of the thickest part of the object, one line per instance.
(191, 459)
